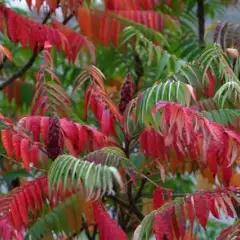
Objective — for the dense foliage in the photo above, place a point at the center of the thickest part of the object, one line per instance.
(119, 120)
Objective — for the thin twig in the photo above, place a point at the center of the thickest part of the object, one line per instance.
(139, 70)
(129, 185)
(47, 17)
(67, 19)
(29, 63)
(85, 226)
(32, 59)
(21, 71)
(94, 232)
(137, 197)
(31, 142)
(19, 163)
(133, 208)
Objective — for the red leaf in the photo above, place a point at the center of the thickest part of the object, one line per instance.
(227, 174)
(186, 134)
(144, 143)
(105, 122)
(24, 149)
(190, 212)
(34, 154)
(70, 131)
(17, 220)
(229, 206)
(16, 140)
(45, 123)
(76, 42)
(163, 224)
(212, 157)
(211, 83)
(36, 128)
(116, 28)
(158, 198)
(201, 210)
(180, 217)
(37, 195)
(28, 32)
(14, 207)
(87, 98)
(97, 26)
(22, 205)
(108, 228)
(83, 138)
(151, 141)
(7, 141)
(29, 199)
(175, 225)
(213, 206)
(69, 146)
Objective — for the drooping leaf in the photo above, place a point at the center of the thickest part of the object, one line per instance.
(167, 91)
(49, 96)
(176, 126)
(76, 42)
(94, 179)
(231, 232)
(108, 228)
(201, 210)
(65, 217)
(15, 207)
(110, 156)
(170, 218)
(227, 117)
(150, 23)
(29, 33)
(5, 52)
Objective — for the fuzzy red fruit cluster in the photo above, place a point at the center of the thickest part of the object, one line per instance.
(126, 94)
(55, 139)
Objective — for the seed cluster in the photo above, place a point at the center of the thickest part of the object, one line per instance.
(126, 94)
(55, 139)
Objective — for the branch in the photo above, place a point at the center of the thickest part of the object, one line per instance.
(85, 226)
(125, 205)
(139, 193)
(67, 19)
(21, 71)
(32, 59)
(133, 207)
(201, 21)
(35, 50)
(129, 181)
(139, 70)
(118, 201)
(132, 203)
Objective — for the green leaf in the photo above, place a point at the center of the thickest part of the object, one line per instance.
(64, 218)
(147, 226)
(83, 174)
(168, 91)
(229, 91)
(110, 156)
(223, 116)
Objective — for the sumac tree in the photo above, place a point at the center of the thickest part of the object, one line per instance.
(89, 153)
